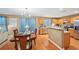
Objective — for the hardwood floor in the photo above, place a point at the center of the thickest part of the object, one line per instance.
(8, 46)
(74, 44)
(42, 43)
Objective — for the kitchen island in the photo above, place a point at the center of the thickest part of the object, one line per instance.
(59, 37)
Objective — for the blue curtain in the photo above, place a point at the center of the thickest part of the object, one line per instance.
(22, 24)
(47, 22)
(3, 23)
(30, 22)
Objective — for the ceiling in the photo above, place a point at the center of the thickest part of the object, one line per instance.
(42, 12)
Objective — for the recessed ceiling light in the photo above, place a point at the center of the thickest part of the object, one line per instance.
(26, 8)
(76, 11)
(61, 9)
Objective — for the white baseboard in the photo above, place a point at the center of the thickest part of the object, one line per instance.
(4, 43)
(55, 44)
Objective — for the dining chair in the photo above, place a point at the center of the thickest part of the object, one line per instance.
(34, 36)
(15, 32)
(15, 39)
(24, 43)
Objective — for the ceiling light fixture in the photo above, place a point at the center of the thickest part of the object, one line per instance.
(61, 9)
(26, 13)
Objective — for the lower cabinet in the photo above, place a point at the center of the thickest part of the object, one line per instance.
(66, 42)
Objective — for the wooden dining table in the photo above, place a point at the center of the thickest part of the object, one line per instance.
(21, 35)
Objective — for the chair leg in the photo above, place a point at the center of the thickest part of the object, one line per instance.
(30, 45)
(15, 45)
(34, 42)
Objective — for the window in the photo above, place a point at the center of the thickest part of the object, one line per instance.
(3, 23)
(47, 22)
(12, 21)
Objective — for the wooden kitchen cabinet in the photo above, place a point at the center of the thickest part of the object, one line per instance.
(42, 31)
(66, 40)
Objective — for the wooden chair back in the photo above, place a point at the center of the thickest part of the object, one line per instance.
(35, 31)
(15, 32)
(22, 43)
(15, 38)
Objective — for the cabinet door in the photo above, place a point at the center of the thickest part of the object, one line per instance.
(66, 40)
(55, 21)
(41, 21)
(60, 21)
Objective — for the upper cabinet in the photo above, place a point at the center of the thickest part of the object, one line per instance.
(55, 21)
(40, 21)
(60, 21)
